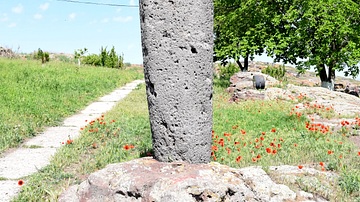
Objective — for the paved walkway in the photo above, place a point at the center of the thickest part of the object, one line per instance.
(36, 153)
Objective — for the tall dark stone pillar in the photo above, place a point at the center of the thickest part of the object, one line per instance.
(177, 42)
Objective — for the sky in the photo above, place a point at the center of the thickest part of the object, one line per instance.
(63, 27)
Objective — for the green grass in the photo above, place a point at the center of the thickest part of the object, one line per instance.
(34, 96)
(247, 129)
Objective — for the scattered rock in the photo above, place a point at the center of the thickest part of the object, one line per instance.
(6, 52)
(146, 179)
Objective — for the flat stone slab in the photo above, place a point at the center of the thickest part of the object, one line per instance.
(54, 137)
(25, 161)
(115, 95)
(98, 107)
(78, 120)
(9, 189)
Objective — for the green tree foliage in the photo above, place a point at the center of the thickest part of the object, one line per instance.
(324, 34)
(41, 55)
(238, 29)
(106, 58)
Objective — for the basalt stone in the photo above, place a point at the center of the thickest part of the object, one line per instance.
(177, 45)
(148, 180)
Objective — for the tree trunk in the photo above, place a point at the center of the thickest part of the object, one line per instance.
(246, 64)
(177, 45)
(327, 76)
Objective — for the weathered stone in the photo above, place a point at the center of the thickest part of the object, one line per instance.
(146, 179)
(177, 44)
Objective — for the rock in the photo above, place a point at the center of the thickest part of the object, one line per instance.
(6, 52)
(146, 179)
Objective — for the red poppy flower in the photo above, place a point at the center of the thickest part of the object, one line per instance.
(263, 133)
(268, 150)
(300, 166)
(238, 159)
(20, 182)
(272, 144)
(262, 138)
(214, 148)
(127, 147)
(274, 151)
(321, 163)
(273, 130)
(254, 159)
(295, 145)
(236, 143)
(243, 131)
(227, 134)
(358, 153)
(330, 152)
(258, 156)
(69, 141)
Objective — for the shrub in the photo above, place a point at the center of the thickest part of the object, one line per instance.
(276, 72)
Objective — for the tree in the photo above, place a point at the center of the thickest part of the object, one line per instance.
(325, 34)
(79, 54)
(239, 30)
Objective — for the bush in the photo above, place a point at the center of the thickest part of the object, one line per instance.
(225, 72)
(40, 55)
(106, 58)
(276, 72)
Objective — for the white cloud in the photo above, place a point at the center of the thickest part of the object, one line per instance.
(44, 6)
(105, 20)
(123, 19)
(18, 9)
(38, 16)
(12, 25)
(72, 16)
(4, 18)
(132, 2)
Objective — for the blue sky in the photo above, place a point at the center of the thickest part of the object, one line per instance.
(58, 26)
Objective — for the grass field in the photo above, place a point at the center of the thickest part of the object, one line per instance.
(249, 133)
(34, 96)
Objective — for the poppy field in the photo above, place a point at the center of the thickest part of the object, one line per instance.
(249, 133)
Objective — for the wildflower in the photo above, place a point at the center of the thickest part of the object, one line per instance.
(243, 131)
(273, 130)
(214, 157)
(69, 141)
(214, 148)
(235, 127)
(279, 146)
(238, 159)
(227, 134)
(263, 133)
(236, 143)
(128, 147)
(358, 153)
(268, 150)
(272, 144)
(300, 166)
(323, 168)
(262, 138)
(254, 160)
(228, 150)
(295, 145)
(274, 151)
(258, 156)
(321, 163)
(20, 182)
(330, 152)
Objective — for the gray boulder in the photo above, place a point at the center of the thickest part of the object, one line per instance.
(146, 179)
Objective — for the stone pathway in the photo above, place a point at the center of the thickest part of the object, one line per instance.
(36, 153)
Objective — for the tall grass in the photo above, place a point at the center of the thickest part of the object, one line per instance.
(34, 96)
